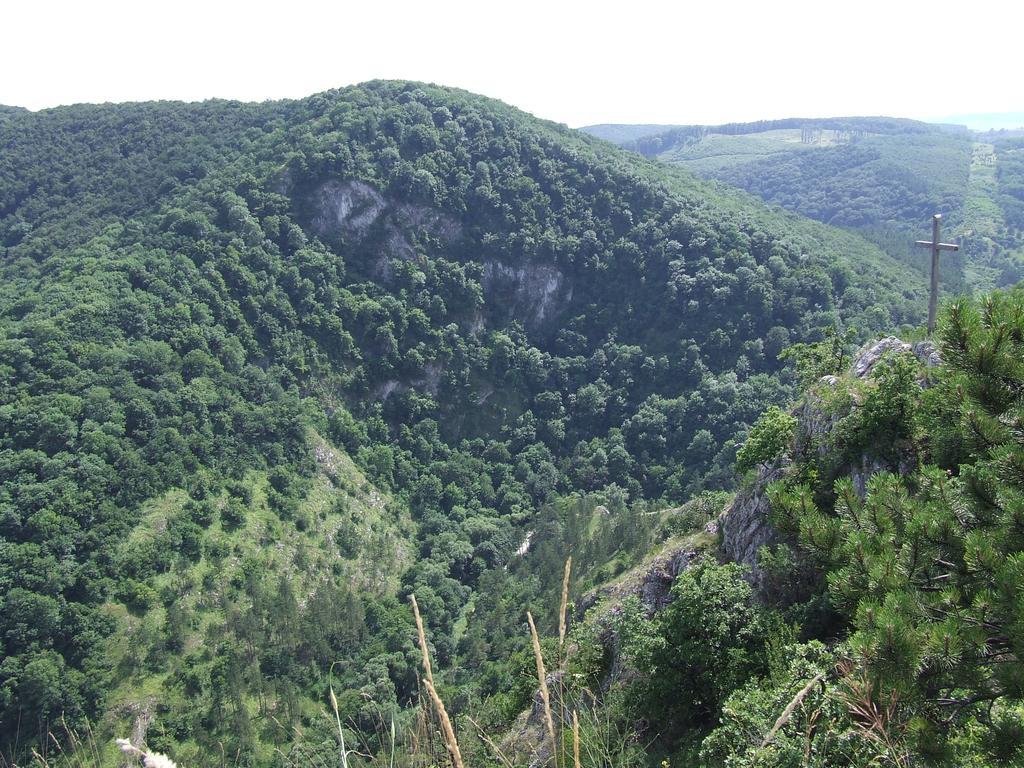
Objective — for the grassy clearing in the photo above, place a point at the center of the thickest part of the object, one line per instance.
(345, 530)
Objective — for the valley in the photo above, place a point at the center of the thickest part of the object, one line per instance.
(271, 370)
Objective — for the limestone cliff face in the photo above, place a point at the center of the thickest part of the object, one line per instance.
(745, 526)
(357, 212)
(529, 292)
(354, 210)
(651, 582)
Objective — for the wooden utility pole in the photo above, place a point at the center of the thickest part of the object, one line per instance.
(936, 246)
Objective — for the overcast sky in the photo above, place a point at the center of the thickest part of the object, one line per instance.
(684, 61)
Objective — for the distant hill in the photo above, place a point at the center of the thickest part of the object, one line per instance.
(622, 134)
(881, 177)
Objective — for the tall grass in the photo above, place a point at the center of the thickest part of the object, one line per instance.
(442, 714)
(575, 739)
(70, 749)
(563, 607)
(337, 717)
(542, 679)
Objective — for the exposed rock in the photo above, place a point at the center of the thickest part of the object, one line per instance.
(927, 353)
(422, 218)
(868, 356)
(429, 382)
(870, 466)
(815, 419)
(525, 546)
(528, 736)
(656, 586)
(141, 712)
(651, 582)
(744, 526)
(383, 391)
(352, 209)
(528, 291)
(431, 379)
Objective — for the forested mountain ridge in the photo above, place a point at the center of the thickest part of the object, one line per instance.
(881, 177)
(207, 310)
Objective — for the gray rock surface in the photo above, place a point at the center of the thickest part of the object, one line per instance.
(869, 355)
(352, 209)
(744, 526)
(530, 292)
(651, 583)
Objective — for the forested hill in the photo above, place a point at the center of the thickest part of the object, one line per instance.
(267, 368)
(881, 177)
(7, 112)
(625, 135)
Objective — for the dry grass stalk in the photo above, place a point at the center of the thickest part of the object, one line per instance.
(810, 734)
(790, 709)
(490, 743)
(877, 718)
(428, 682)
(423, 640)
(565, 602)
(420, 738)
(337, 718)
(446, 725)
(391, 762)
(544, 695)
(575, 740)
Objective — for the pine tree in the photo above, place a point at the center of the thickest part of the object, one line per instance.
(928, 568)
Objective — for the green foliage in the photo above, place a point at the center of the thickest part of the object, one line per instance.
(879, 177)
(707, 642)
(1010, 180)
(771, 434)
(819, 724)
(925, 566)
(827, 357)
(886, 418)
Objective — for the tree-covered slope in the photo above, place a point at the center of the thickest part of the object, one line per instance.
(248, 351)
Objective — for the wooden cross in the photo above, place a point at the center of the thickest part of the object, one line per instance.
(936, 246)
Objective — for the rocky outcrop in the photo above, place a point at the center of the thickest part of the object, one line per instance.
(530, 292)
(350, 207)
(429, 382)
(745, 527)
(869, 356)
(356, 212)
(651, 582)
(353, 209)
(528, 738)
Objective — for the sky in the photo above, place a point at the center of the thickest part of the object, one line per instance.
(579, 63)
